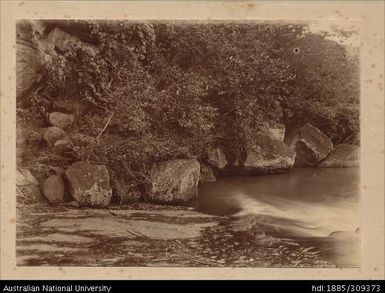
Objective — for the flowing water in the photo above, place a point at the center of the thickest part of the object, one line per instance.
(318, 207)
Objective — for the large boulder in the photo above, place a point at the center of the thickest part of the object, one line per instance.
(310, 144)
(274, 129)
(61, 120)
(216, 157)
(29, 67)
(89, 184)
(173, 181)
(53, 189)
(264, 154)
(53, 134)
(343, 155)
(207, 174)
(27, 187)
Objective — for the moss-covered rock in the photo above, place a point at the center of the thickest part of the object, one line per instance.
(216, 157)
(61, 120)
(173, 181)
(310, 144)
(264, 154)
(53, 134)
(89, 184)
(275, 129)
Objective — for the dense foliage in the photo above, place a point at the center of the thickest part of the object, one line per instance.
(172, 86)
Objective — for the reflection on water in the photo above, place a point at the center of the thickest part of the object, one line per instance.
(319, 207)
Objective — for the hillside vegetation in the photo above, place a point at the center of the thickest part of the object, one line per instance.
(146, 92)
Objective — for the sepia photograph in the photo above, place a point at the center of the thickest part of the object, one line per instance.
(191, 140)
(188, 143)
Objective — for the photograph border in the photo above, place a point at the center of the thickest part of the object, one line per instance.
(370, 16)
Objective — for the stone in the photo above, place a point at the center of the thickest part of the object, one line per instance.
(61, 120)
(53, 189)
(173, 181)
(89, 184)
(53, 134)
(83, 139)
(216, 157)
(63, 147)
(27, 187)
(310, 144)
(29, 68)
(64, 42)
(207, 174)
(342, 156)
(274, 129)
(74, 203)
(264, 154)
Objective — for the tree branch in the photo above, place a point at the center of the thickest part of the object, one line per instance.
(105, 126)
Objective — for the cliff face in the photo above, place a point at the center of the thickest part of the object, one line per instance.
(131, 98)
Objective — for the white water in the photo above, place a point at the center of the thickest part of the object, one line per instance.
(320, 205)
(302, 218)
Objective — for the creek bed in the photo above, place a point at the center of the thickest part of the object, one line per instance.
(287, 220)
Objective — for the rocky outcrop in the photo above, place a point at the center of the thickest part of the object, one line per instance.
(310, 144)
(173, 181)
(216, 157)
(29, 68)
(343, 155)
(62, 41)
(47, 235)
(27, 187)
(264, 154)
(70, 27)
(61, 120)
(89, 184)
(53, 134)
(207, 174)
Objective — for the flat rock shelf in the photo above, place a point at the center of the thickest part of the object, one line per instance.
(147, 235)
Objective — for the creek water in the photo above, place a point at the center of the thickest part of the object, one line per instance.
(318, 207)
